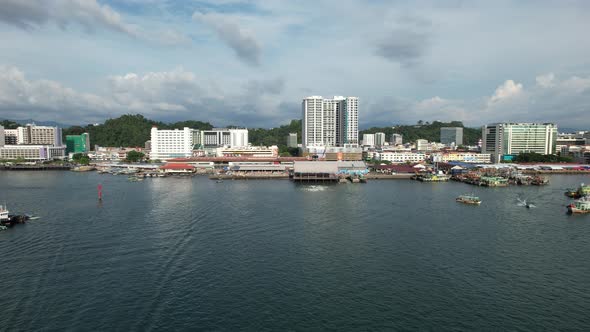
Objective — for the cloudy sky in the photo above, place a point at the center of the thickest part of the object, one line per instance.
(251, 62)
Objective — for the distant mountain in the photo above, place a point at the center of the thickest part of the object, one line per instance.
(41, 123)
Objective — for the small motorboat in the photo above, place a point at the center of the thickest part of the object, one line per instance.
(469, 199)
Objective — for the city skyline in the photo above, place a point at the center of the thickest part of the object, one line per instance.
(249, 62)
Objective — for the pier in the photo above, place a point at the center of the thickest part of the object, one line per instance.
(35, 167)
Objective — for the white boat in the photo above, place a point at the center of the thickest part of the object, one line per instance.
(580, 206)
(4, 213)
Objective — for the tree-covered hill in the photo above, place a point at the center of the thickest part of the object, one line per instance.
(275, 136)
(128, 130)
(7, 124)
(134, 130)
(428, 131)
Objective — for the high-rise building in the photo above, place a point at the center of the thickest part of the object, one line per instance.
(369, 140)
(292, 140)
(219, 137)
(31, 143)
(451, 135)
(10, 136)
(169, 144)
(78, 143)
(396, 139)
(39, 135)
(329, 122)
(379, 139)
(500, 139)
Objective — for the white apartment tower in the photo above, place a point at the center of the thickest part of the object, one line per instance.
(329, 122)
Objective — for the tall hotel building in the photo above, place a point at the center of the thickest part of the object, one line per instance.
(501, 139)
(330, 122)
(169, 144)
(32, 142)
(179, 143)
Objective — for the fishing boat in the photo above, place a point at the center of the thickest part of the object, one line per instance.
(4, 214)
(469, 199)
(580, 206)
(582, 191)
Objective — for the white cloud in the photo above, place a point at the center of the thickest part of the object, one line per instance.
(88, 13)
(506, 91)
(545, 81)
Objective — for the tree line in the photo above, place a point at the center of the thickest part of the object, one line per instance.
(425, 130)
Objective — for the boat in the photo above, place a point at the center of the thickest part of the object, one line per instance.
(4, 214)
(468, 199)
(135, 178)
(582, 191)
(581, 205)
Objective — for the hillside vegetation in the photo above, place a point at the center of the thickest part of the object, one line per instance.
(128, 130)
(428, 131)
(134, 130)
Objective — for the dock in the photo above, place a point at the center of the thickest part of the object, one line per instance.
(36, 167)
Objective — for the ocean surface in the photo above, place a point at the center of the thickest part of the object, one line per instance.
(193, 254)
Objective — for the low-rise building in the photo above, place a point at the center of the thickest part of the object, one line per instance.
(334, 153)
(400, 157)
(467, 157)
(32, 152)
(249, 151)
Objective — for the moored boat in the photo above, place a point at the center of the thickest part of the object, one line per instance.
(4, 214)
(582, 191)
(580, 206)
(468, 199)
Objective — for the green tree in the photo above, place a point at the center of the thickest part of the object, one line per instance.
(80, 158)
(134, 156)
(429, 132)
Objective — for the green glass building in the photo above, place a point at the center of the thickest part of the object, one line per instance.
(78, 143)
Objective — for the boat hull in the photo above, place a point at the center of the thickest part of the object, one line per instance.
(574, 210)
(469, 202)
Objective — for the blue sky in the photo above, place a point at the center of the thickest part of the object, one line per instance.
(250, 63)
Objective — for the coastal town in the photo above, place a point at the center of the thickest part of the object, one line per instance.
(328, 148)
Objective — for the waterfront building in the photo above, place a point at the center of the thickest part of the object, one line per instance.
(292, 140)
(400, 157)
(39, 135)
(329, 122)
(466, 157)
(249, 151)
(396, 139)
(78, 143)
(327, 170)
(503, 140)
(369, 140)
(379, 139)
(451, 135)
(334, 153)
(31, 143)
(168, 144)
(32, 152)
